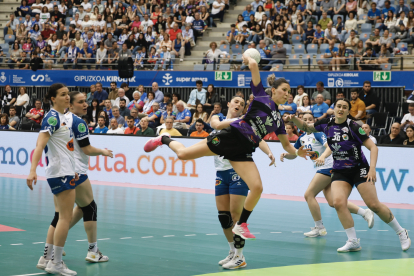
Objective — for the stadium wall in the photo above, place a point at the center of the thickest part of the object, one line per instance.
(395, 173)
(218, 78)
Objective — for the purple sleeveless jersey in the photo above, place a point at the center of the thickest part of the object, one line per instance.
(345, 141)
(262, 117)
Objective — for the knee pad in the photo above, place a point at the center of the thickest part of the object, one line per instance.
(90, 212)
(238, 241)
(55, 219)
(225, 219)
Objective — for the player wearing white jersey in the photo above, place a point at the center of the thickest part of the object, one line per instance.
(56, 138)
(85, 203)
(231, 192)
(323, 160)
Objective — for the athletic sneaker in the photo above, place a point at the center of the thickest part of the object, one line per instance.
(404, 240)
(154, 143)
(96, 257)
(243, 231)
(350, 246)
(59, 268)
(369, 217)
(316, 232)
(42, 263)
(228, 258)
(235, 263)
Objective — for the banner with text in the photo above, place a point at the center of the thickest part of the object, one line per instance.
(395, 180)
(218, 78)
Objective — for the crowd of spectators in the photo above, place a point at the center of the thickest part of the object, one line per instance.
(123, 110)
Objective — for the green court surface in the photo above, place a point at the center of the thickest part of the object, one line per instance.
(160, 232)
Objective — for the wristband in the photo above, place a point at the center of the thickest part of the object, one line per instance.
(297, 152)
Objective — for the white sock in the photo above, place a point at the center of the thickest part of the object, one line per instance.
(396, 226)
(58, 253)
(93, 246)
(239, 252)
(351, 233)
(361, 212)
(319, 224)
(48, 253)
(231, 244)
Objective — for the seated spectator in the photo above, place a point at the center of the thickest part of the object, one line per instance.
(164, 59)
(199, 125)
(149, 101)
(320, 89)
(121, 95)
(387, 7)
(93, 112)
(330, 52)
(168, 113)
(216, 111)
(217, 11)
(319, 35)
(373, 14)
(320, 108)
(342, 58)
(47, 32)
(371, 100)
(13, 119)
(289, 107)
(299, 97)
(358, 107)
(367, 130)
(144, 130)
(408, 119)
(199, 114)
(212, 55)
(384, 55)
(278, 55)
(131, 129)
(247, 13)
(331, 34)
(118, 117)
(22, 62)
(155, 116)
(374, 40)
(33, 118)
(115, 129)
(113, 55)
(384, 40)
(123, 110)
(108, 109)
(323, 22)
(71, 56)
(8, 97)
(309, 34)
(368, 60)
(134, 114)
(101, 56)
(163, 104)
(402, 34)
(36, 62)
(85, 55)
(393, 138)
(136, 101)
(231, 35)
(23, 99)
(183, 114)
(211, 96)
(4, 122)
(178, 47)
(100, 94)
(352, 42)
(199, 26)
(410, 136)
(305, 107)
(197, 95)
(291, 132)
(12, 24)
(169, 128)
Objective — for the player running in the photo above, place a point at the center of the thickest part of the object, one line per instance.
(322, 159)
(351, 168)
(238, 139)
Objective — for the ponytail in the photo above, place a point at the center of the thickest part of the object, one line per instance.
(73, 95)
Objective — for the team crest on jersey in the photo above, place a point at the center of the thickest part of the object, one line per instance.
(361, 131)
(313, 141)
(235, 177)
(218, 182)
(345, 129)
(345, 137)
(52, 121)
(69, 145)
(215, 141)
(314, 156)
(81, 127)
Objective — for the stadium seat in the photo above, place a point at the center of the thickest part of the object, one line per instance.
(347, 36)
(224, 67)
(296, 39)
(393, 109)
(299, 49)
(377, 25)
(279, 67)
(236, 49)
(404, 109)
(294, 60)
(402, 45)
(363, 17)
(238, 58)
(336, 45)
(323, 48)
(5, 47)
(21, 19)
(224, 48)
(380, 122)
(312, 49)
(386, 66)
(305, 60)
(364, 37)
(392, 35)
(68, 19)
(198, 67)
(210, 67)
(9, 39)
(366, 28)
(288, 48)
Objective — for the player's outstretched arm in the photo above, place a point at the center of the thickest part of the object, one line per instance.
(287, 146)
(216, 124)
(92, 151)
(320, 161)
(309, 128)
(265, 148)
(254, 69)
(37, 154)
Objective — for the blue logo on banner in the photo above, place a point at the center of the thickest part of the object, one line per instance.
(392, 175)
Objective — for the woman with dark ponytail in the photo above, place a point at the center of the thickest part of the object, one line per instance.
(86, 207)
(56, 138)
(350, 168)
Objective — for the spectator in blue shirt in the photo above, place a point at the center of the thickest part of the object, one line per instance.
(255, 4)
(246, 14)
(319, 35)
(199, 26)
(100, 94)
(198, 94)
(320, 108)
(85, 56)
(183, 115)
(231, 35)
(289, 107)
(373, 14)
(101, 128)
(216, 111)
(387, 8)
(168, 113)
(402, 8)
(155, 116)
(108, 109)
(327, 57)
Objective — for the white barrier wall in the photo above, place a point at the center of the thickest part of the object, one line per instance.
(395, 172)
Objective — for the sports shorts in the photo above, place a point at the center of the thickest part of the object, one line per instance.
(60, 184)
(229, 182)
(231, 145)
(353, 176)
(327, 172)
(82, 178)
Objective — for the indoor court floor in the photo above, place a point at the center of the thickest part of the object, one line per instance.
(167, 231)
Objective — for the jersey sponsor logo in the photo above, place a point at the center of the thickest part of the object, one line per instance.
(345, 129)
(314, 156)
(52, 121)
(361, 131)
(218, 182)
(70, 146)
(336, 147)
(72, 182)
(268, 121)
(345, 137)
(64, 180)
(81, 127)
(235, 177)
(215, 141)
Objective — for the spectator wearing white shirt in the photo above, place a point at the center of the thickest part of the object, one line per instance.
(367, 130)
(331, 34)
(121, 95)
(352, 42)
(86, 22)
(82, 13)
(100, 6)
(145, 23)
(86, 6)
(114, 128)
(101, 56)
(408, 118)
(212, 54)
(28, 24)
(217, 11)
(49, 5)
(36, 8)
(62, 8)
(197, 95)
(23, 98)
(99, 22)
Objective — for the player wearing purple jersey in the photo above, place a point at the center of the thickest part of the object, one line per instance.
(237, 140)
(351, 168)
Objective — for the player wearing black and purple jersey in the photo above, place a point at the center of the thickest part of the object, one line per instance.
(237, 140)
(345, 138)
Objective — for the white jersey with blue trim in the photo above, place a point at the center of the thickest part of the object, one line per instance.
(220, 163)
(80, 131)
(59, 149)
(315, 142)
